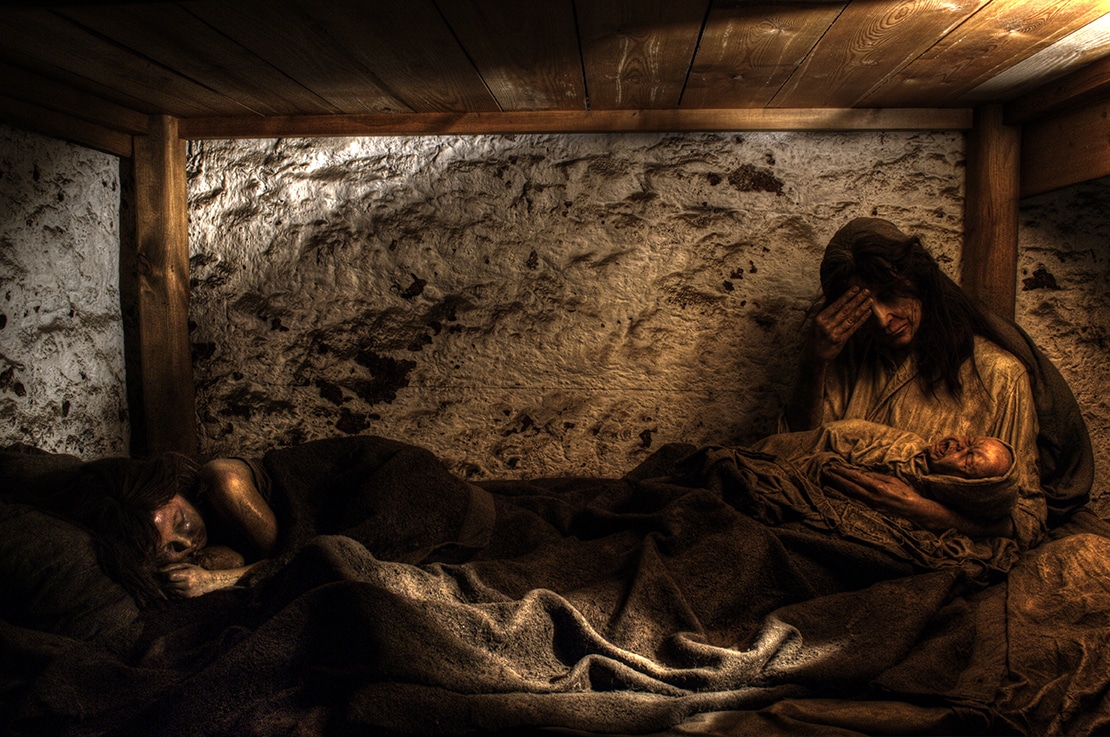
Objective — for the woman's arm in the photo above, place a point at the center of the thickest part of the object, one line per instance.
(831, 330)
(217, 557)
(232, 493)
(189, 580)
(893, 496)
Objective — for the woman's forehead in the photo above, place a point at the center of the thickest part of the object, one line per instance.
(176, 504)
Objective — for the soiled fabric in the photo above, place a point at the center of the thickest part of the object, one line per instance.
(784, 494)
(615, 606)
(1065, 457)
(899, 453)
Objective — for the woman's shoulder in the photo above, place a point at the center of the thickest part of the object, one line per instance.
(233, 471)
(990, 358)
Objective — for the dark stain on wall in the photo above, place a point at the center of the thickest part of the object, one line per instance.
(1041, 279)
(522, 424)
(748, 178)
(331, 392)
(413, 290)
(387, 377)
(8, 382)
(352, 423)
(246, 403)
(203, 351)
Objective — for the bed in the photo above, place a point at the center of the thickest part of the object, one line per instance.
(708, 591)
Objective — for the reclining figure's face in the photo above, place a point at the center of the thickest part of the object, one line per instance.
(969, 457)
(181, 530)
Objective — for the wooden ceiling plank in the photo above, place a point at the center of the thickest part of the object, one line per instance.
(867, 44)
(175, 38)
(564, 121)
(748, 51)
(52, 123)
(290, 40)
(40, 41)
(1089, 44)
(409, 47)
(51, 95)
(1002, 34)
(1089, 83)
(83, 85)
(527, 53)
(1068, 149)
(637, 53)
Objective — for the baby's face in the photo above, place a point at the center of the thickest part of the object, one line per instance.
(969, 457)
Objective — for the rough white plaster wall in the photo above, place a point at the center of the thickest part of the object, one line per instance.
(523, 305)
(61, 340)
(1064, 301)
(528, 305)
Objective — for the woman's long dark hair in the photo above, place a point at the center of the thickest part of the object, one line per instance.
(900, 266)
(115, 498)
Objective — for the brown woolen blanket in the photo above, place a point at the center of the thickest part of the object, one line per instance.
(622, 605)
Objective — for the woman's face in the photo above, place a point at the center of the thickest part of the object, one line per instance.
(180, 529)
(895, 317)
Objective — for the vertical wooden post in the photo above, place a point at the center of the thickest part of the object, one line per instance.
(161, 238)
(989, 264)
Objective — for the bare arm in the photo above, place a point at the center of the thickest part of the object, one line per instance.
(893, 496)
(189, 580)
(217, 557)
(830, 332)
(235, 499)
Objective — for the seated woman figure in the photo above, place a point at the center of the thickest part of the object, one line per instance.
(897, 342)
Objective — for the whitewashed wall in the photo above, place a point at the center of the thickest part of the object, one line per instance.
(61, 340)
(522, 305)
(528, 305)
(1064, 300)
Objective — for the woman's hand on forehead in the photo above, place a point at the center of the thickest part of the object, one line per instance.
(838, 322)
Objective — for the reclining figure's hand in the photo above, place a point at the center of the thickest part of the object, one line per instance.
(189, 580)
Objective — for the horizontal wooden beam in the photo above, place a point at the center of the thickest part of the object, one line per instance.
(1090, 83)
(1067, 149)
(66, 127)
(598, 121)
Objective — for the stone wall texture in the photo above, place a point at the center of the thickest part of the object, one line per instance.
(529, 305)
(1064, 301)
(61, 340)
(522, 305)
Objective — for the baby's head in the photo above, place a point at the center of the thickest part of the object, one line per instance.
(975, 476)
(969, 457)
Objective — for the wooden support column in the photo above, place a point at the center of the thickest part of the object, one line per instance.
(166, 419)
(989, 271)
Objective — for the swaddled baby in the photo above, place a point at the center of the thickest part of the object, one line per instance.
(974, 476)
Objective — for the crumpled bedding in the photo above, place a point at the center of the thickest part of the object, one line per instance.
(683, 598)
